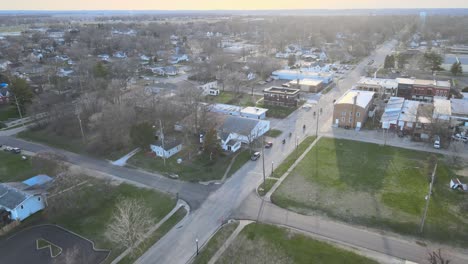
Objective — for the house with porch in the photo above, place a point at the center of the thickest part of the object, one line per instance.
(166, 147)
(236, 130)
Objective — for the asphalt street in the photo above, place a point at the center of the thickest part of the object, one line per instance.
(179, 246)
(194, 194)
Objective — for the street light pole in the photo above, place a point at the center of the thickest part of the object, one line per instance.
(263, 161)
(316, 127)
(196, 242)
(272, 168)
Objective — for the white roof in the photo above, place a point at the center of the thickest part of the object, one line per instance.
(254, 110)
(224, 108)
(311, 82)
(386, 83)
(442, 108)
(363, 98)
(465, 96)
(392, 109)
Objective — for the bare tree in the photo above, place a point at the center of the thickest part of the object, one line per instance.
(130, 223)
(235, 81)
(435, 257)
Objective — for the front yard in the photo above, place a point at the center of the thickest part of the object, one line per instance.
(280, 112)
(261, 243)
(376, 186)
(198, 168)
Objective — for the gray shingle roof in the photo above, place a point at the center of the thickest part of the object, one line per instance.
(239, 125)
(11, 197)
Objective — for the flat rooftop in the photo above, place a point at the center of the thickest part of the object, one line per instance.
(363, 98)
(282, 90)
(254, 110)
(310, 82)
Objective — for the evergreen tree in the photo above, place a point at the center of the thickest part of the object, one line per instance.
(456, 68)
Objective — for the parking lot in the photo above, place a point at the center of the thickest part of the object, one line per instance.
(22, 248)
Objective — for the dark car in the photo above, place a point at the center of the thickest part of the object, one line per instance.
(268, 144)
(255, 156)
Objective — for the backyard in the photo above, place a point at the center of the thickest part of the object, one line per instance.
(376, 186)
(261, 243)
(198, 168)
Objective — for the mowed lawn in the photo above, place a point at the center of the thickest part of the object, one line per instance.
(261, 243)
(376, 186)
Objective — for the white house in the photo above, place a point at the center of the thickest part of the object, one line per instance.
(19, 201)
(166, 148)
(229, 143)
(254, 112)
(242, 129)
(210, 88)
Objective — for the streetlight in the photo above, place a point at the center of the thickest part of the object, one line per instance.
(272, 163)
(196, 242)
(316, 127)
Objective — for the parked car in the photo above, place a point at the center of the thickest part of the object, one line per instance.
(458, 137)
(8, 149)
(16, 150)
(437, 142)
(268, 144)
(255, 156)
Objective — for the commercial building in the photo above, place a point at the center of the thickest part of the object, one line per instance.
(280, 96)
(422, 90)
(325, 77)
(351, 110)
(307, 85)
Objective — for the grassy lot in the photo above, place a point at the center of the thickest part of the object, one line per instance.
(71, 144)
(261, 243)
(289, 161)
(262, 190)
(279, 111)
(241, 99)
(8, 111)
(274, 133)
(215, 243)
(15, 169)
(158, 234)
(376, 186)
(241, 159)
(200, 168)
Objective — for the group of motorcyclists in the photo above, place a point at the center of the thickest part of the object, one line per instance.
(290, 133)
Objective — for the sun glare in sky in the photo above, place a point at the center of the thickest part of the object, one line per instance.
(223, 4)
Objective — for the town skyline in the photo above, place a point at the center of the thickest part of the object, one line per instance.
(225, 5)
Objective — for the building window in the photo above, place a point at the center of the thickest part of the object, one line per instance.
(350, 119)
(343, 113)
(22, 207)
(343, 119)
(358, 114)
(38, 198)
(351, 113)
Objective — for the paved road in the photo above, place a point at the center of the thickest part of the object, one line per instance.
(367, 239)
(193, 193)
(178, 245)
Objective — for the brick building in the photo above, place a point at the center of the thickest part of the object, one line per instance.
(280, 96)
(351, 109)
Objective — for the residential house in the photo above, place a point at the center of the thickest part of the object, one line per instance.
(4, 65)
(307, 85)
(229, 142)
(166, 148)
(119, 55)
(210, 88)
(174, 59)
(104, 57)
(280, 96)
(351, 109)
(65, 72)
(22, 199)
(254, 112)
(241, 129)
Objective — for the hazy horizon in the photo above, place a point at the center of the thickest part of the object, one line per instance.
(214, 5)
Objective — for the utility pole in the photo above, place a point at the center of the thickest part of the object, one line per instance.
(316, 127)
(161, 134)
(428, 198)
(19, 110)
(81, 126)
(263, 161)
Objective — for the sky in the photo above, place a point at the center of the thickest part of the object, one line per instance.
(224, 4)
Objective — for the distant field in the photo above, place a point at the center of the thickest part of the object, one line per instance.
(260, 243)
(377, 186)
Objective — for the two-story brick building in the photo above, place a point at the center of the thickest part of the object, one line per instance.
(351, 109)
(422, 90)
(281, 96)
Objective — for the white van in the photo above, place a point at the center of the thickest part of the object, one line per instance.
(437, 142)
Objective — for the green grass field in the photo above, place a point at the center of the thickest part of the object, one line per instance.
(274, 133)
(376, 186)
(215, 243)
(280, 112)
(13, 168)
(289, 161)
(261, 243)
(262, 190)
(200, 168)
(8, 111)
